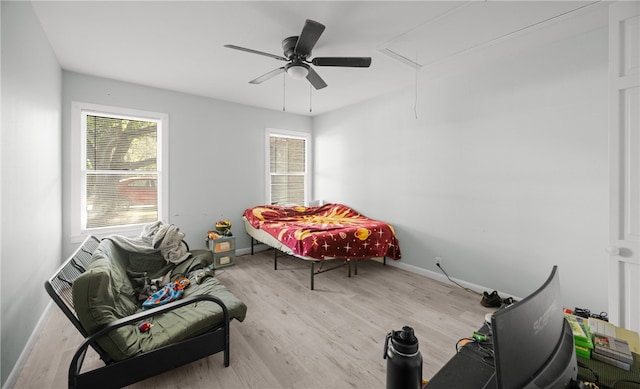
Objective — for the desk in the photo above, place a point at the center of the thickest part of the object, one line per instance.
(470, 369)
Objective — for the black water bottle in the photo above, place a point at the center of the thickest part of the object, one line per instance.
(404, 361)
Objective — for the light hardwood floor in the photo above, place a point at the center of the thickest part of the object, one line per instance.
(293, 337)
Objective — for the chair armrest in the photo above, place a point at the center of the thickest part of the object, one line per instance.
(78, 357)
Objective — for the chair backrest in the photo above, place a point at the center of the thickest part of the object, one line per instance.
(59, 286)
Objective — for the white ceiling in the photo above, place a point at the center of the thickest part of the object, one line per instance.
(178, 45)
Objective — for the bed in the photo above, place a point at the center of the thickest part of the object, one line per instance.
(317, 234)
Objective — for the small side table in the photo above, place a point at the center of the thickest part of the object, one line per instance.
(224, 251)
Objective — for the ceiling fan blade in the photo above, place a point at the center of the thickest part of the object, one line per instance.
(308, 37)
(315, 79)
(267, 76)
(256, 52)
(353, 62)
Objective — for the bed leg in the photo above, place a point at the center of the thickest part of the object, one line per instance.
(312, 274)
(275, 259)
(384, 261)
(252, 240)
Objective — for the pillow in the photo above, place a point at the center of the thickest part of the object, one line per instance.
(99, 298)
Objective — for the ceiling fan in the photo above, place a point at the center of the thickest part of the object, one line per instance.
(297, 50)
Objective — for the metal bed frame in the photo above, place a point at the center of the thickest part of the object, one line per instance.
(314, 270)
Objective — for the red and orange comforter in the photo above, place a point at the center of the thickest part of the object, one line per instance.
(326, 231)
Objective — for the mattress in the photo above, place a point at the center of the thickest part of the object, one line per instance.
(323, 232)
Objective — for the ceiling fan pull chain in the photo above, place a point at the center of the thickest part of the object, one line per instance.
(415, 101)
(310, 101)
(284, 90)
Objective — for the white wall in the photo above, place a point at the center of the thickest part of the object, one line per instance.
(216, 152)
(502, 175)
(31, 181)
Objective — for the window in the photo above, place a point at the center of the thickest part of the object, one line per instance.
(118, 178)
(288, 167)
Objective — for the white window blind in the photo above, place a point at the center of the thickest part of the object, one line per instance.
(288, 170)
(120, 177)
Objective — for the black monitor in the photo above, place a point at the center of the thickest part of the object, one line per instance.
(533, 343)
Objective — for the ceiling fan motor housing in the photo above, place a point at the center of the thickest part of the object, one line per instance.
(289, 46)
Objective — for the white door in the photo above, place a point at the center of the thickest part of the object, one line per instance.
(624, 151)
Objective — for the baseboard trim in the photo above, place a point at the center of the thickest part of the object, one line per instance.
(26, 351)
(442, 278)
(256, 249)
(418, 270)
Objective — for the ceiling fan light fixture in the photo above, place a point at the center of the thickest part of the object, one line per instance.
(298, 71)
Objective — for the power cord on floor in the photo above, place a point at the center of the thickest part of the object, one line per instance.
(449, 278)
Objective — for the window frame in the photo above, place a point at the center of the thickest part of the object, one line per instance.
(308, 166)
(79, 111)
